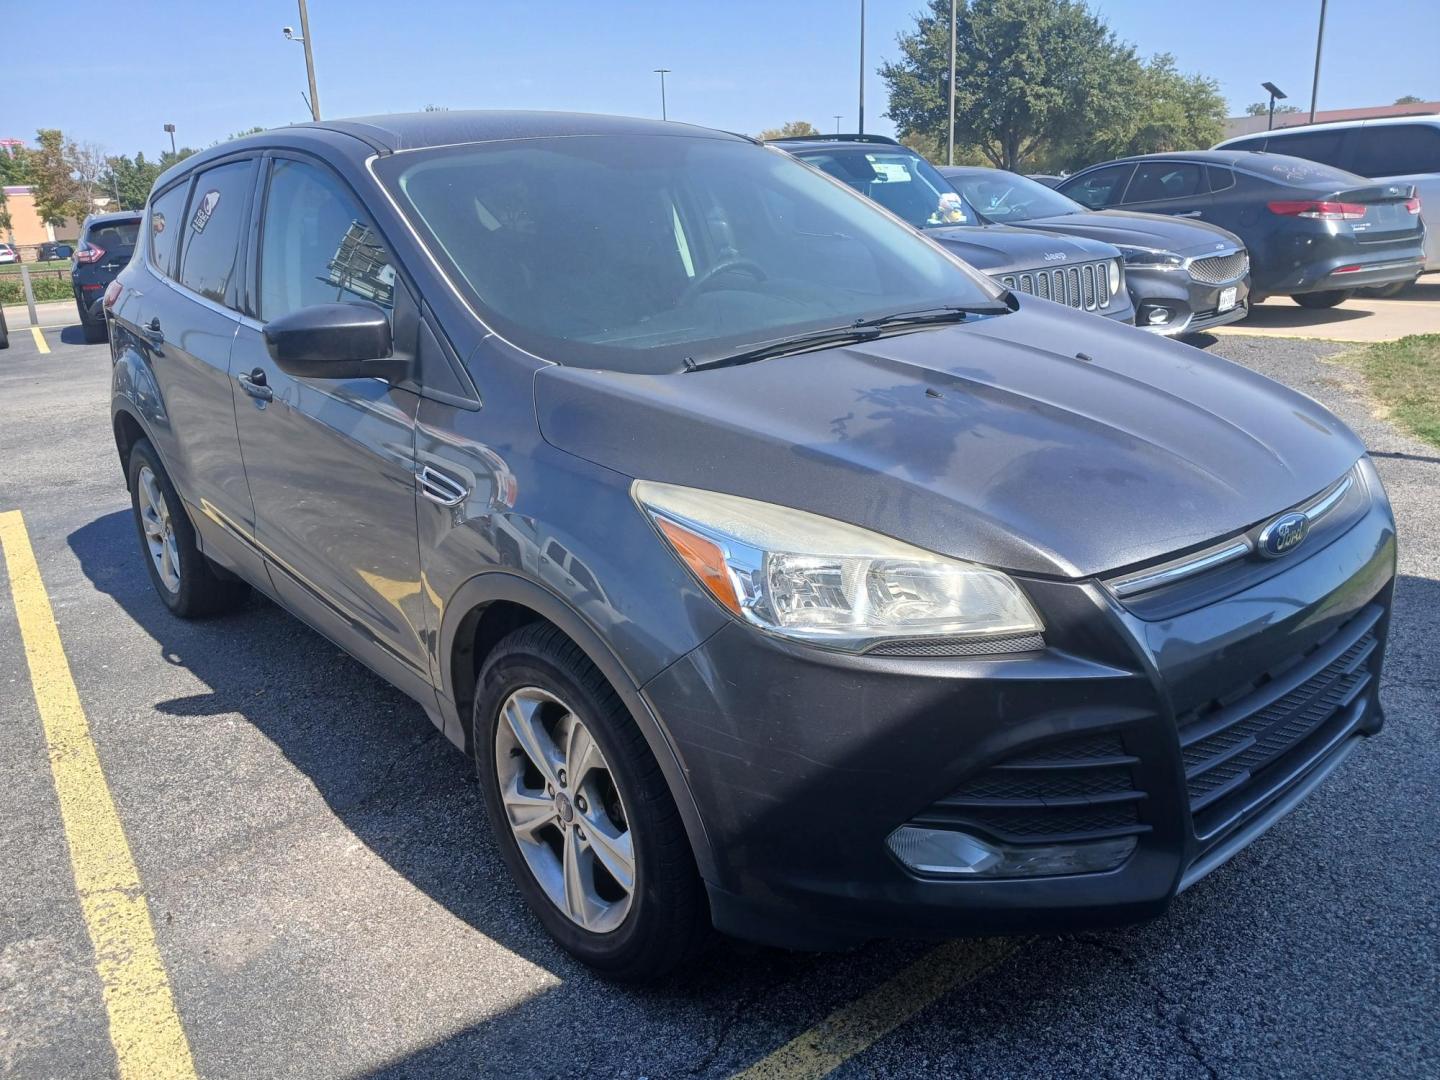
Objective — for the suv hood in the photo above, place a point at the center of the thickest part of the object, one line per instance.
(988, 440)
(999, 249)
(1141, 230)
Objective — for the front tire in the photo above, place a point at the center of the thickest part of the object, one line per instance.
(581, 811)
(1327, 299)
(190, 585)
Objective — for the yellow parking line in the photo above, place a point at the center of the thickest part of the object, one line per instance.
(144, 1026)
(853, 1028)
(39, 339)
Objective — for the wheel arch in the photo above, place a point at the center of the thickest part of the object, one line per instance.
(490, 605)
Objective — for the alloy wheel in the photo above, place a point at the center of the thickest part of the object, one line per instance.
(159, 529)
(564, 809)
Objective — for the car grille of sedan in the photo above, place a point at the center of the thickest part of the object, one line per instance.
(1247, 747)
(1218, 269)
(1085, 285)
(1078, 788)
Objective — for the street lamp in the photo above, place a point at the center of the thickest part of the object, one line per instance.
(950, 151)
(662, 72)
(1275, 92)
(170, 130)
(304, 39)
(1319, 41)
(860, 128)
(838, 117)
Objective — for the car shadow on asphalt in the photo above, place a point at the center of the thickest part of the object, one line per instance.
(403, 791)
(73, 335)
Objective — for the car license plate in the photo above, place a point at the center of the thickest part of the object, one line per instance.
(1227, 298)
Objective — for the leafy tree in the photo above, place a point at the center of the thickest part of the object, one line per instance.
(790, 130)
(1262, 108)
(57, 197)
(1409, 99)
(14, 169)
(134, 179)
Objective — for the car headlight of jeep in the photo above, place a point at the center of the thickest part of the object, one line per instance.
(819, 580)
(1115, 276)
(1151, 258)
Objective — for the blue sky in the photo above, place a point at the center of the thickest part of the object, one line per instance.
(115, 75)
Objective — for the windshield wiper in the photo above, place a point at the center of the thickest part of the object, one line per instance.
(859, 330)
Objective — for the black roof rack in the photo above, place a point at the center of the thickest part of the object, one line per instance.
(885, 139)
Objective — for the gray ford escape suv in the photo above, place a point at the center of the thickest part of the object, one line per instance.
(779, 571)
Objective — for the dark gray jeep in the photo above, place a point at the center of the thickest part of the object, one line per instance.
(778, 571)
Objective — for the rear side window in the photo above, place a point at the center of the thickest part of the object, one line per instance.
(1220, 177)
(1101, 188)
(165, 214)
(1396, 150)
(1158, 180)
(210, 232)
(1257, 143)
(317, 246)
(1321, 146)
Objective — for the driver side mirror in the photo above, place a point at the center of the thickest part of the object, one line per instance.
(334, 341)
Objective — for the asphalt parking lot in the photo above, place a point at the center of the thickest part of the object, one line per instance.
(326, 902)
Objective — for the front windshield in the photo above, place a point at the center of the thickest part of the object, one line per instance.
(1006, 196)
(904, 183)
(642, 252)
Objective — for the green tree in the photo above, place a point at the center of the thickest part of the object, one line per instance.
(1262, 108)
(1409, 99)
(790, 130)
(134, 178)
(14, 169)
(57, 196)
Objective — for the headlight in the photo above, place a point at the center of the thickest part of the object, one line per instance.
(1114, 276)
(1151, 258)
(819, 580)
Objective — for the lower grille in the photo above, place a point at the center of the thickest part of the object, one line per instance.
(1085, 286)
(1063, 791)
(1218, 269)
(1242, 751)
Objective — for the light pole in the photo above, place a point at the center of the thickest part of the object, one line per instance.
(837, 122)
(950, 153)
(1319, 41)
(304, 39)
(860, 128)
(1275, 92)
(662, 72)
(170, 130)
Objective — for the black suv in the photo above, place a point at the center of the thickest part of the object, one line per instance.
(777, 570)
(106, 243)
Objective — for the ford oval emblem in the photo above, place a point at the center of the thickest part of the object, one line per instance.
(1284, 535)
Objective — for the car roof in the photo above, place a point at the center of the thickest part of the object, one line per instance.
(105, 219)
(1213, 157)
(838, 142)
(1337, 125)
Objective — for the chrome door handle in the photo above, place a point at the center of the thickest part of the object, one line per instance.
(255, 385)
(437, 487)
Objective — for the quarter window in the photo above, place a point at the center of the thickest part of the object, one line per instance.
(1397, 150)
(1321, 146)
(1100, 188)
(1156, 181)
(317, 246)
(166, 212)
(211, 227)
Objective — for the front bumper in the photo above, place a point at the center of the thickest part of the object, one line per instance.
(803, 762)
(1188, 306)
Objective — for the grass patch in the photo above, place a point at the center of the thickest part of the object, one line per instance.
(1404, 376)
(53, 264)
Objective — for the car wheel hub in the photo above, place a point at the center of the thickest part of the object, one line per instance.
(159, 529)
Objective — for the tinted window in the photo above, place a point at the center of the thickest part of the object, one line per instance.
(114, 235)
(317, 246)
(1396, 150)
(1221, 177)
(905, 184)
(1100, 188)
(636, 253)
(1257, 143)
(210, 236)
(1321, 146)
(1005, 196)
(165, 213)
(1158, 180)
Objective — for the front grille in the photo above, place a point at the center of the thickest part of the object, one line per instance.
(1062, 791)
(1244, 749)
(1085, 286)
(958, 646)
(1218, 269)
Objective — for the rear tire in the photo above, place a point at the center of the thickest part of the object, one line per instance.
(1395, 288)
(95, 332)
(543, 682)
(1328, 299)
(190, 585)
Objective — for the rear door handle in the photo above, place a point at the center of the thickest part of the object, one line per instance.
(438, 487)
(255, 385)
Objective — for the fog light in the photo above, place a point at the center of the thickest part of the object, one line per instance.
(1157, 316)
(941, 851)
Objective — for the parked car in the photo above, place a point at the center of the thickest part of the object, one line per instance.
(106, 244)
(4, 331)
(1392, 149)
(1314, 233)
(1183, 276)
(909, 604)
(1048, 179)
(8, 254)
(52, 251)
(1075, 271)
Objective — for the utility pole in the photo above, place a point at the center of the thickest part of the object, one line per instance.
(309, 61)
(861, 125)
(950, 153)
(1319, 41)
(837, 122)
(662, 72)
